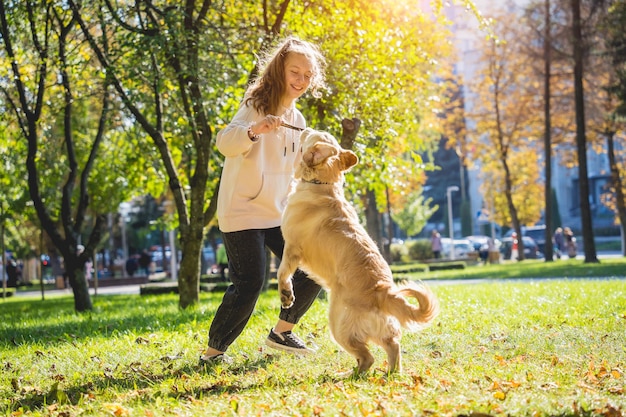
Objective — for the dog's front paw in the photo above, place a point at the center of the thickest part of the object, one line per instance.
(287, 298)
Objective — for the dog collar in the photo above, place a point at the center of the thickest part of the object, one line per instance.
(316, 181)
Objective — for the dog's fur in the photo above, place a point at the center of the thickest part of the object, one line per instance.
(323, 237)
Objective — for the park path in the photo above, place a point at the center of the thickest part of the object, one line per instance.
(135, 289)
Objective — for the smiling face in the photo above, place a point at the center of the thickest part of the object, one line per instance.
(298, 75)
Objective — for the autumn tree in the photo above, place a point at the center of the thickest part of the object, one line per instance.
(614, 126)
(581, 138)
(504, 124)
(546, 43)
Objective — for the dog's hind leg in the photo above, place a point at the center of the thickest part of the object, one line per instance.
(288, 265)
(357, 348)
(392, 347)
(364, 357)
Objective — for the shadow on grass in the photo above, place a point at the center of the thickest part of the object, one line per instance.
(139, 380)
(52, 321)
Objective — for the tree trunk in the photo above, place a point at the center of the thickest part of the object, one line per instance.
(189, 273)
(372, 218)
(350, 128)
(581, 140)
(80, 287)
(513, 211)
(547, 142)
(618, 187)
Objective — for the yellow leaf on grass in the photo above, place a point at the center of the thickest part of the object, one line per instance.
(499, 395)
(495, 386)
(117, 410)
(513, 384)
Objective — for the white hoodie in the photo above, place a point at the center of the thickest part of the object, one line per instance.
(257, 176)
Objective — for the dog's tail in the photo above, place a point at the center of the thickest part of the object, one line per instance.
(409, 315)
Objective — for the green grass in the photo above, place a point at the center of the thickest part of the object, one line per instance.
(555, 347)
(564, 268)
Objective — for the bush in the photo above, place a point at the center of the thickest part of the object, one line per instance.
(419, 250)
(447, 266)
(399, 252)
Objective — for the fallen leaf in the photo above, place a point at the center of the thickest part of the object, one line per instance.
(499, 395)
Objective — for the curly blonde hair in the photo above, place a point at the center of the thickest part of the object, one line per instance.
(266, 91)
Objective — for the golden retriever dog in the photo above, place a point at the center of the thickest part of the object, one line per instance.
(324, 238)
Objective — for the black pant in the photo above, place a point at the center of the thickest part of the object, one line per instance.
(247, 264)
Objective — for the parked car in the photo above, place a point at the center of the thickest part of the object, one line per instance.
(481, 245)
(462, 248)
(537, 233)
(531, 249)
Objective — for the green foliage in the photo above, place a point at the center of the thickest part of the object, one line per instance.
(381, 59)
(532, 268)
(118, 172)
(419, 249)
(413, 216)
(445, 266)
(399, 252)
(563, 355)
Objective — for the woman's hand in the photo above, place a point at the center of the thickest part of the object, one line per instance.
(265, 125)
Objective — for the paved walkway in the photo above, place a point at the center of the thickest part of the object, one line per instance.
(135, 289)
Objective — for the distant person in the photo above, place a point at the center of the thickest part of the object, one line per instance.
(222, 260)
(144, 262)
(132, 265)
(514, 247)
(435, 244)
(494, 255)
(559, 242)
(13, 273)
(570, 242)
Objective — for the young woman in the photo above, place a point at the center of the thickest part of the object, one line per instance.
(261, 156)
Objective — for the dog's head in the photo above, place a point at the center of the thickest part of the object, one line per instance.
(323, 159)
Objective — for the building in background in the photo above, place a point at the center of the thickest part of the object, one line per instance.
(467, 37)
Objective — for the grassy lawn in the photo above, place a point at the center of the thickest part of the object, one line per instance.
(532, 268)
(555, 347)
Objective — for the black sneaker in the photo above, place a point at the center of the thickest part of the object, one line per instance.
(288, 342)
(215, 360)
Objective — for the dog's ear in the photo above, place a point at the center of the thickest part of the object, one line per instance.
(321, 152)
(348, 159)
(305, 134)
